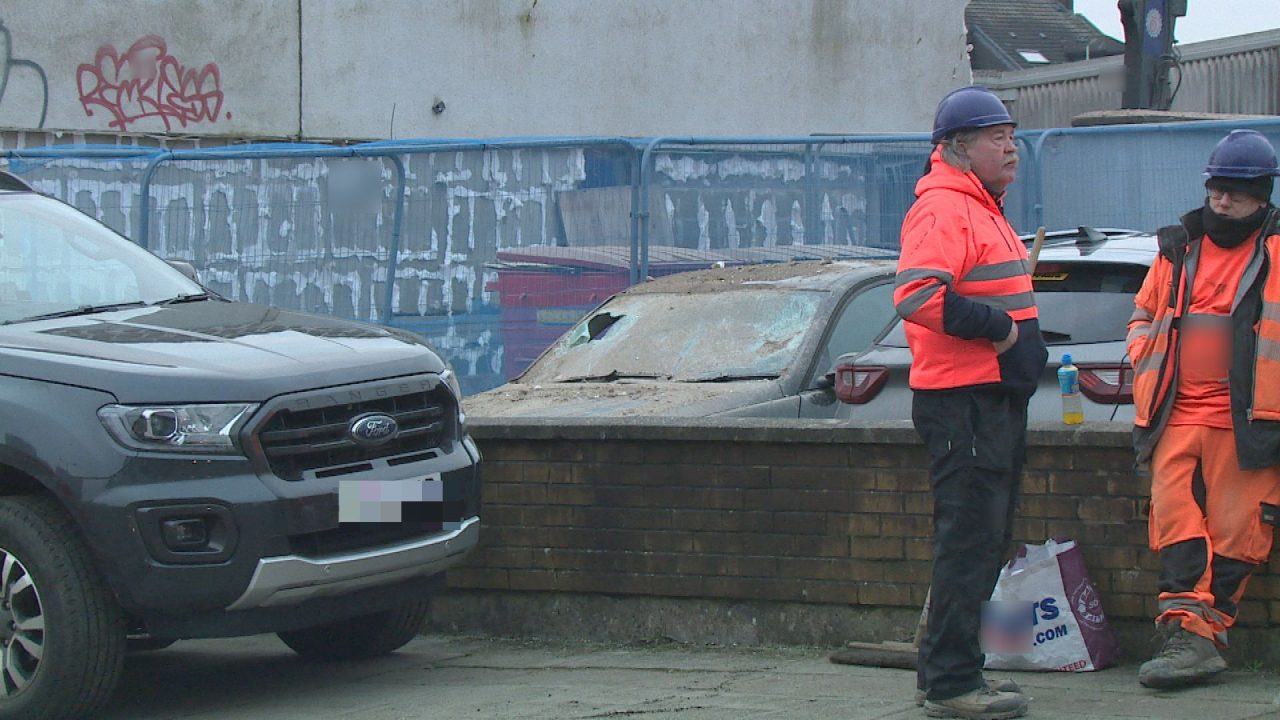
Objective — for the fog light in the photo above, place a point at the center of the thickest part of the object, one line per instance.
(185, 534)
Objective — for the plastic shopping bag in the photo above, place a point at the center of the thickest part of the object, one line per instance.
(1045, 614)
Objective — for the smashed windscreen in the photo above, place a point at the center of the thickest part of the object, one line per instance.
(699, 337)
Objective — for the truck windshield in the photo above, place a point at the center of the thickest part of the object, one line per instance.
(694, 337)
(56, 260)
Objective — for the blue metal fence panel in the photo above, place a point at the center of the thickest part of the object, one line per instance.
(407, 233)
(1139, 177)
(709, 193)
(299, 232)
(101, 180)
(504, 242)
(491, 248)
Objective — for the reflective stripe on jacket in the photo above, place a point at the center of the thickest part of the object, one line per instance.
(963, 279)
(1160, 311)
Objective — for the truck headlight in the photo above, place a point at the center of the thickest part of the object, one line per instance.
(177, 428)
(451, 379)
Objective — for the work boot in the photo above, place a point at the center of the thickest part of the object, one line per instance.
(1185, 659)
(1001, 685)
(980, 704)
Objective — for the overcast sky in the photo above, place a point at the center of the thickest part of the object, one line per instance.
(1205, 19)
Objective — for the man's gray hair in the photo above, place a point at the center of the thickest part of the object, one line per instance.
(953, 151)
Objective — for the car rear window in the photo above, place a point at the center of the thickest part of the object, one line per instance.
(1084, 303)
(1079, 303)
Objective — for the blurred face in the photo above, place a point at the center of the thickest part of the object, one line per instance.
(1233, 203)
(993, 156)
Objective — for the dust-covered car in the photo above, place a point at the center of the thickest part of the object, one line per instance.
(753, 340)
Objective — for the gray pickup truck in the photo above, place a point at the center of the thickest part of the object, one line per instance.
(175, 465)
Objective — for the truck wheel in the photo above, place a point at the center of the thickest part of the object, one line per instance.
(61, 632)
(365, 636)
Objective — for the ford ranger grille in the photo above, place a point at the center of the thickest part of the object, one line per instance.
(318, 438)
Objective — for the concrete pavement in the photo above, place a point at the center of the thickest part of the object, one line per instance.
(456, 677)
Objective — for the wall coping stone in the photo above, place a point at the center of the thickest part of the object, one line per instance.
(765, 430)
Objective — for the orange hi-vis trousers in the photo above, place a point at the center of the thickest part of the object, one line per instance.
(1206, 523)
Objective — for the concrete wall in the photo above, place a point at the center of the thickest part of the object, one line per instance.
(369, 69)
(758, 531)
(204, 67)
(644, 67)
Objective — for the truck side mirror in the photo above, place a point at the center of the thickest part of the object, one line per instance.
(185, 268)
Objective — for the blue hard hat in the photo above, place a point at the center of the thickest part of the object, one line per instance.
(969, 107)
(1242, 154)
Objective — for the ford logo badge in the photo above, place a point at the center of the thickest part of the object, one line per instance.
(373, 430)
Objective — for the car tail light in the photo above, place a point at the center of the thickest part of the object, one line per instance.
(1107, 384)
(858, 385)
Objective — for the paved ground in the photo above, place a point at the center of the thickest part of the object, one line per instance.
(461, 678)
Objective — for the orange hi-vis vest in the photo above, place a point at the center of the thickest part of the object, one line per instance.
(1202, 395)
(955, 240)
(1155, 333)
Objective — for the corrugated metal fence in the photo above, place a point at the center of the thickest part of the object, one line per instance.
(1238, 75)
(491, 249)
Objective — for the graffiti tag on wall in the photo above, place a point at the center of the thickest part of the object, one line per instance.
(9, 64)
(147, 82)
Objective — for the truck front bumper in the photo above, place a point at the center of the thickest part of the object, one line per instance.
(293, 579)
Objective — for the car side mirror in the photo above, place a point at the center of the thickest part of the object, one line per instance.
(825, 382)
(858, 384)
(185, 268)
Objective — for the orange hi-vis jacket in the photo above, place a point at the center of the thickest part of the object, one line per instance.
(963, 279)
(1155, 331)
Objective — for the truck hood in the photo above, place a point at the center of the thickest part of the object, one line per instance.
(619, 399)
(210, 351)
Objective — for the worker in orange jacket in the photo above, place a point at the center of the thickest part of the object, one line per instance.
(1205, 343)
(964, 291)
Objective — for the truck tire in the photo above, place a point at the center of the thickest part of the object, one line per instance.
(360, 637)
(62, 633)
(146, 643)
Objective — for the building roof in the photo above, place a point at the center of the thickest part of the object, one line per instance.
(1019, 34)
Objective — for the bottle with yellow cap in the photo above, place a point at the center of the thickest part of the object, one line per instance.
(1069, 380)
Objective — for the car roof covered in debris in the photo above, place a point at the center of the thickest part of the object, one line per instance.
(817, 275)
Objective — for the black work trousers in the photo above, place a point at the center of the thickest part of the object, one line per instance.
(976, 441)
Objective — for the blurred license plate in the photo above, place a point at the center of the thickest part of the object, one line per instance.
(385, 500)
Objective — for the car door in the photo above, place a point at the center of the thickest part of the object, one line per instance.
(862, 317)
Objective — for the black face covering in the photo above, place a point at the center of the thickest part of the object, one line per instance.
(1228, 232)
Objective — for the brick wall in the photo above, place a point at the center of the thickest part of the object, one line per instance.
(761, 510)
